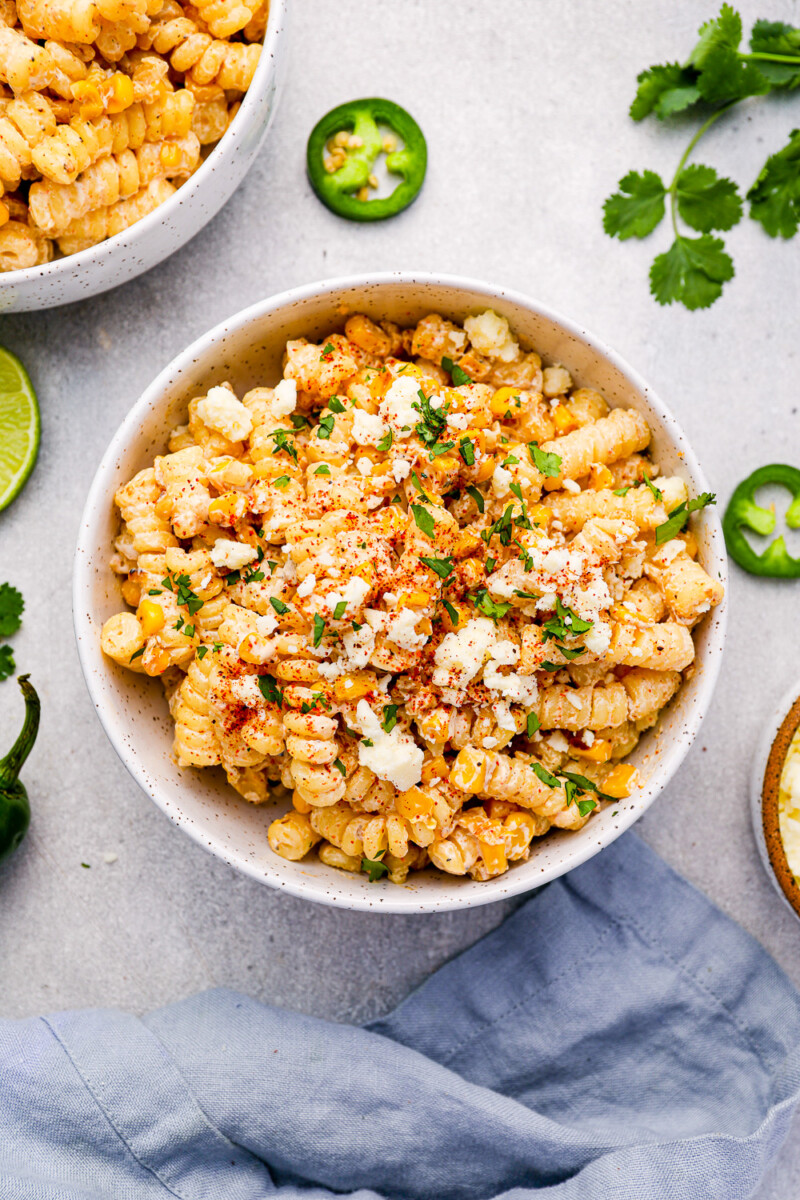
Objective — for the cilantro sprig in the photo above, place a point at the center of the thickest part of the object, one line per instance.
(718, 75)
(678, 519)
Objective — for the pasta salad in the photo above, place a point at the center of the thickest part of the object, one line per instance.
(425, 588)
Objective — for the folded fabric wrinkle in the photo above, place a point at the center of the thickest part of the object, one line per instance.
(617, 1036)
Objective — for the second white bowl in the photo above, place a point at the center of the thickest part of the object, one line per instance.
(247, 350)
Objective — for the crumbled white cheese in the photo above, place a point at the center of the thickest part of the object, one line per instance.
(368, 428)
(598, 638)
(523, 689)
(307, 586)
(401, 469)
(490, 334)
(325, 558)
(501, 482)
(502, 714)
(402, 630)
(359, 645)
(245, 689)
(458, 420)
(364, 466)
(284, 399)
(353, 594)
(222, 412)
(460, 655)
(330, 671)
(397, 407)
(227, 555)
(393, 756)
(558, 742)
(587, 737)
(489, 743)
(570, 485)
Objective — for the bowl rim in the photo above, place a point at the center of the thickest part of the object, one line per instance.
(226, 146)
(391, 900)
(767, 770)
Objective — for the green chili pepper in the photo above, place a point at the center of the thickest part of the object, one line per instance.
(743, 513)
(360, 118)
(15, 811)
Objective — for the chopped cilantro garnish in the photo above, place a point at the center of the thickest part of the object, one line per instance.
(323, 469)
(651, 487)
(282, 481)
(438, 449)
(337, 762)
(273, 566)
(456, 373)
(623, 491)
(451, 612)
(374, 867)
(532, 724)
(679, 519)
(278, 605)
(282, 442)
(253, 576)
(548, 464)
(325, 427)
(467, 451)
(11, 607)
(491, 563)
(515, 490)
(423, 519)
(389, 718)
(202, 651)
(476, 496)
(155, 591)
(269, 689)
(327, 351)
(233, 577)
(489, 607)
(319, 628)
(335, 404)
(298, 421)
(544, 775)
(385, 442)
(135, 654)
(340, 610)
(442, 566)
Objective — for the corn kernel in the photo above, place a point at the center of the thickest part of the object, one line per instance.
(435, 768)
(485, 470)
(506, 402)
(300, 805)
(151, 617)
(227, 508)
(365, 571)
(254, 649)
(494, 858)
(434, 726)
(563, 419)
(353, 686)
(170, 155)
(463, 614)
(469, 770)
(522, 829)
(466, 542)
(414, 599)
(621, 781)
(599, 751)
(414, 804)
(117, 92)
(156, 663)
(600, 477)
(391, 521)
(540, 514)
(90, 102)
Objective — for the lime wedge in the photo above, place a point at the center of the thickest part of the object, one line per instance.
(19, 427)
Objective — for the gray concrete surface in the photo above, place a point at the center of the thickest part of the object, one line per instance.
(524, 105)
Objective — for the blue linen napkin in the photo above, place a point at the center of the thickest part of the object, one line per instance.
(617, 1037)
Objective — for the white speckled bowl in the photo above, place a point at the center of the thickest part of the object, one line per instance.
(247, 350)
(173, 223)
(764, 794)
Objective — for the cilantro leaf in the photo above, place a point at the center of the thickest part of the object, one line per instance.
(7, 664)
(11, 608)
(489, 607)
(423, 519)
(451, 612)
(442, 566)
(775, 195)
(467, 451)
(679, 518)
(636, 209)
(773, 37)
(585, 785)
(322, 469)
(278, 605)
(459, 376)
(340, 767)
(374, 867)
(385, 442)
(477, 497)
(325, 427)
(725, 77)
(335, 405)
(340, 610)
(705, 201)
(319, 628)
(692, 272)
(548, 464)
(723, 31)
(586, 806)
(532, 724)
(665, 89)
(544, 775)
(282, 481)
(389, 718)
(269, 690)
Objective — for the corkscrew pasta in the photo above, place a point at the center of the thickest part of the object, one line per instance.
(424, 588)
(108, 106)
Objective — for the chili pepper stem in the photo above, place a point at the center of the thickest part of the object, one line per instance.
(11, 765)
